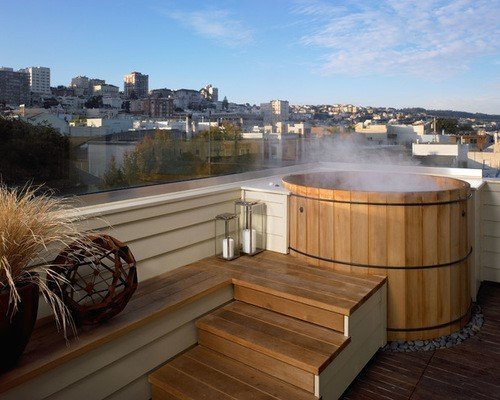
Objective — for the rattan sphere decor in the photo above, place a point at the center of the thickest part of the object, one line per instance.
(100, 282)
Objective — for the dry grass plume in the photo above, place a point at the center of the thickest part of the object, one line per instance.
(33, 228)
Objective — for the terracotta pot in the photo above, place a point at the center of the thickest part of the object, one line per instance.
(15, 331)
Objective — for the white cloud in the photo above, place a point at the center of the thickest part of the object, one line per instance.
(430, 38)
(219, 26)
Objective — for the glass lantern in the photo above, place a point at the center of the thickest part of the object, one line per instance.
(252, 220)
(227, 244)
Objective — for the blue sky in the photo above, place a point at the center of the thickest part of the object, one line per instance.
(430, 53)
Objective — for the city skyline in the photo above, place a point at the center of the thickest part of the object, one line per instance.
(439, 55)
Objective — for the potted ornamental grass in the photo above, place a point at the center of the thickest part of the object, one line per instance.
(34, 227)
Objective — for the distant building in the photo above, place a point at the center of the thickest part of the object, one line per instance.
(81, 86)
(475, 142)
(95, 81)
(373, 132)
(159, 93)
(275, 111)
(187, 98)
(62, 91)
(106, 90)
(407, 134)
(210, 93)
(84, 86)
(71, 103)
(99, 126)
(441, 154)
(160, 107)
(136, 84)
(136, 106)
(488, 157)
(113, 102)
(39, 80)
(79, 82)
(300, 128)
(14, 87)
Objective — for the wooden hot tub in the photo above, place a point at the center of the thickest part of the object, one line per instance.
(411, 228)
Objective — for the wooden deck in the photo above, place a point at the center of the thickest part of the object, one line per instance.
(468, 371)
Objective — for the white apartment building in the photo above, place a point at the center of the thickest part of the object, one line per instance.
(275, 110)
(442, 154)
(39, 79)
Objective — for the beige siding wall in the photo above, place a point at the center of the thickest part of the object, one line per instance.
(490, 231)
(119, 369)
(160, 234)
(164, 233)
(276, 218)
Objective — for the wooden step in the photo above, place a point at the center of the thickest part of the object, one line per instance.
(293, 308)
(293, 279)
(201, 373)
(287, 348)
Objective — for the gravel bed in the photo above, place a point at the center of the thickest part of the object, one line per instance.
(442, 342)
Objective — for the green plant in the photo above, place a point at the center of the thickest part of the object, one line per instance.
(34, 226)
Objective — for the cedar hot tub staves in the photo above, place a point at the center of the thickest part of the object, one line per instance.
(411, 228)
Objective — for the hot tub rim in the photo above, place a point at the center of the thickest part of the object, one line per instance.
(461, 193)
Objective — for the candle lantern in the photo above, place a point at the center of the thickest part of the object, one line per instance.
(227, 245)
(252, 226)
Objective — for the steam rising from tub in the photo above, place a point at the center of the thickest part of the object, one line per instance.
(355, 148)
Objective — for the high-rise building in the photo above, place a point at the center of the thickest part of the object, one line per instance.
(135, 85)
(275, 111)
(39, 78)
(14, 86)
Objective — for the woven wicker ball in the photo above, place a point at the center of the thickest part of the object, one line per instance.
(100, 281)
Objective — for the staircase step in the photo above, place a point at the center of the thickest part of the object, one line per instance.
(299, 292)
(279, 369)
(318, 335)
(282, 346)
(201, 373)
(305, 312)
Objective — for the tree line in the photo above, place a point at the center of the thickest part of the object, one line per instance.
(165, 157)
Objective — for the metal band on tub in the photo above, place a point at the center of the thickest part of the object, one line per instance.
(352, 264)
